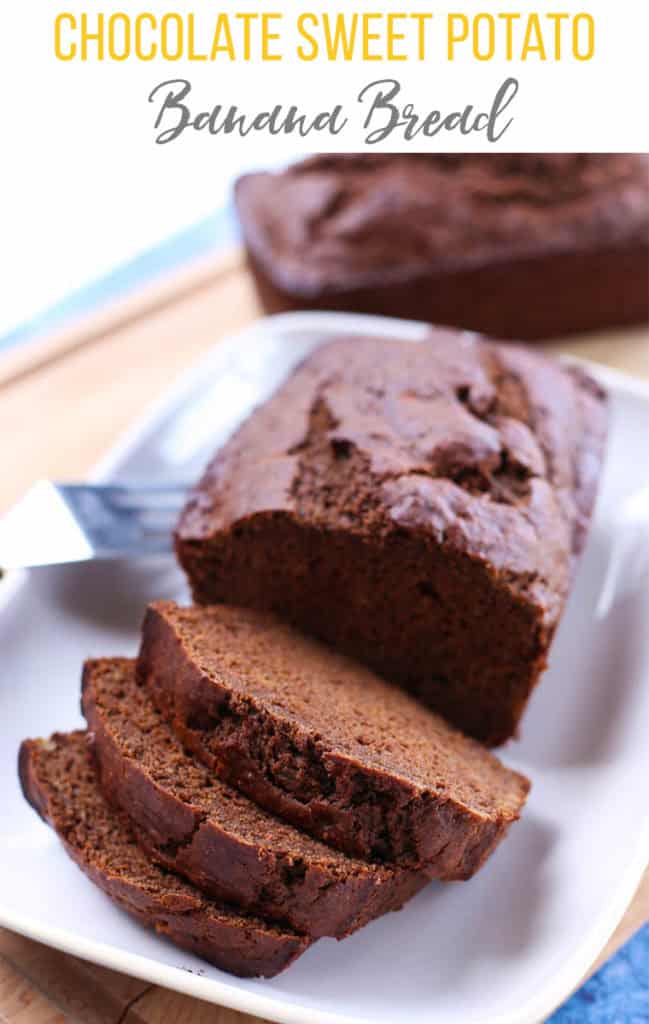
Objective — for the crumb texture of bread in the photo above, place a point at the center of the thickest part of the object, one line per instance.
(322, 742)
(521, 246)
(59, 780)
(190, 822)
(420, 507)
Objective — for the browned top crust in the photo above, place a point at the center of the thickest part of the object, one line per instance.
(334, 220)
(487, 449)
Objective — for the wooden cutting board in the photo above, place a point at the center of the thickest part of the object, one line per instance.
(63, 402)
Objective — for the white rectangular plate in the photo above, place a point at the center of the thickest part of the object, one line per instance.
(506, 947)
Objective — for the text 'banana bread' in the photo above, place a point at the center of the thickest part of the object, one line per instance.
(324, 743)
(419, 506)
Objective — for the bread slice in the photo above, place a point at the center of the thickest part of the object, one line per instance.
(325, 744)
(204, 829)
(59, 780)
(420, 507)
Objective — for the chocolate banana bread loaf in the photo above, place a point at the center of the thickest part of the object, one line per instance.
(517, 246)
(60, 782)
(420, 507)
(323, 743)
(202, 828)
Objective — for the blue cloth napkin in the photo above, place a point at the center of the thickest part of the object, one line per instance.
(618, 993)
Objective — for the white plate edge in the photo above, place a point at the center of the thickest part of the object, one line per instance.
(223, 993)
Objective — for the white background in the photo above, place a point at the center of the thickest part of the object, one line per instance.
(84, 187)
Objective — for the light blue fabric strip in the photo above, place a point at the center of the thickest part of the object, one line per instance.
(214, 233)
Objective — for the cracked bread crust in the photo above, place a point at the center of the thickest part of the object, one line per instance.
(421, 507)
(59, 780)
(323, 743)
(515, 245)
(201, 828)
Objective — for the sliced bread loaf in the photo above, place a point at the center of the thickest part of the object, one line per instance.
(324, 743)
(420, 507)
(204, 829)
(60, 782)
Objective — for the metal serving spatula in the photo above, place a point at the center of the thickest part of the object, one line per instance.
(56, 523)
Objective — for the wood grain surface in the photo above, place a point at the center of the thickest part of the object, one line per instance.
(63, 403)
